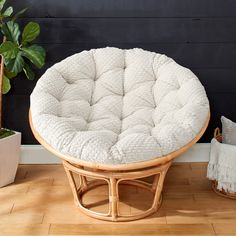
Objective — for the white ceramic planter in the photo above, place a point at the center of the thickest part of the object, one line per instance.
(9, 158)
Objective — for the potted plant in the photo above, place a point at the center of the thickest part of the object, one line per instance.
(18, 55)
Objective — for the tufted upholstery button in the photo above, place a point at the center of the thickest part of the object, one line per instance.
(87, 107)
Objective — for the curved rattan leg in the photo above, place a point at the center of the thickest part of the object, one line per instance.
(73, 185)
(157, 186)
(113, 180)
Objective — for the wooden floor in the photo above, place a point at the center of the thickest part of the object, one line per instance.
(40, 203)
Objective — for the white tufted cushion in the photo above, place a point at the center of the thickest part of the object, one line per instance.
(118, 106)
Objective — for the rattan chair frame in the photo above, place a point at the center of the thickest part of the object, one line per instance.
(115, 175)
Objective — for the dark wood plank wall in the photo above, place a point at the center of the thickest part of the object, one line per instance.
(199, 34)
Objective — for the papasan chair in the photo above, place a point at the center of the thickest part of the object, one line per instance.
(117, 116)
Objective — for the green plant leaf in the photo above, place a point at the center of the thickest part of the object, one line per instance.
(21, 12)
(9, 50)
(11, 31)
(28, 72)
(15, 65)
(9, 74)
(2, 2)
(6, 86)
(8, 11)
(36, 54)
(5, 133)
(30, 32)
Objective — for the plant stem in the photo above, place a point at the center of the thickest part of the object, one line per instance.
(1, 84)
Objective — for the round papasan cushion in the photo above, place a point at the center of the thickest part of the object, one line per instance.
(114, 106)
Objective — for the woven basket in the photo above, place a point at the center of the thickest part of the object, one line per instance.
(218, 137)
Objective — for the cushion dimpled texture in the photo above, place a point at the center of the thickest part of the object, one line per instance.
(115, 106)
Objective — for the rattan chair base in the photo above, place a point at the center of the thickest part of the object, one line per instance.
(113, 180)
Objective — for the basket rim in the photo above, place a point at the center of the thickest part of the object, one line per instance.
(222, 192)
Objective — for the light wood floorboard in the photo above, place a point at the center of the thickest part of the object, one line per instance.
(40, 203)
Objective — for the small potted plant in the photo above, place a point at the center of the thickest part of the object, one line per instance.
(18, 55)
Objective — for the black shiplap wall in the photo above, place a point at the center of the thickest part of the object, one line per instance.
(199, 34)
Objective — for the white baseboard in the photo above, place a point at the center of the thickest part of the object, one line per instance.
(36, 154)
(200, 152)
